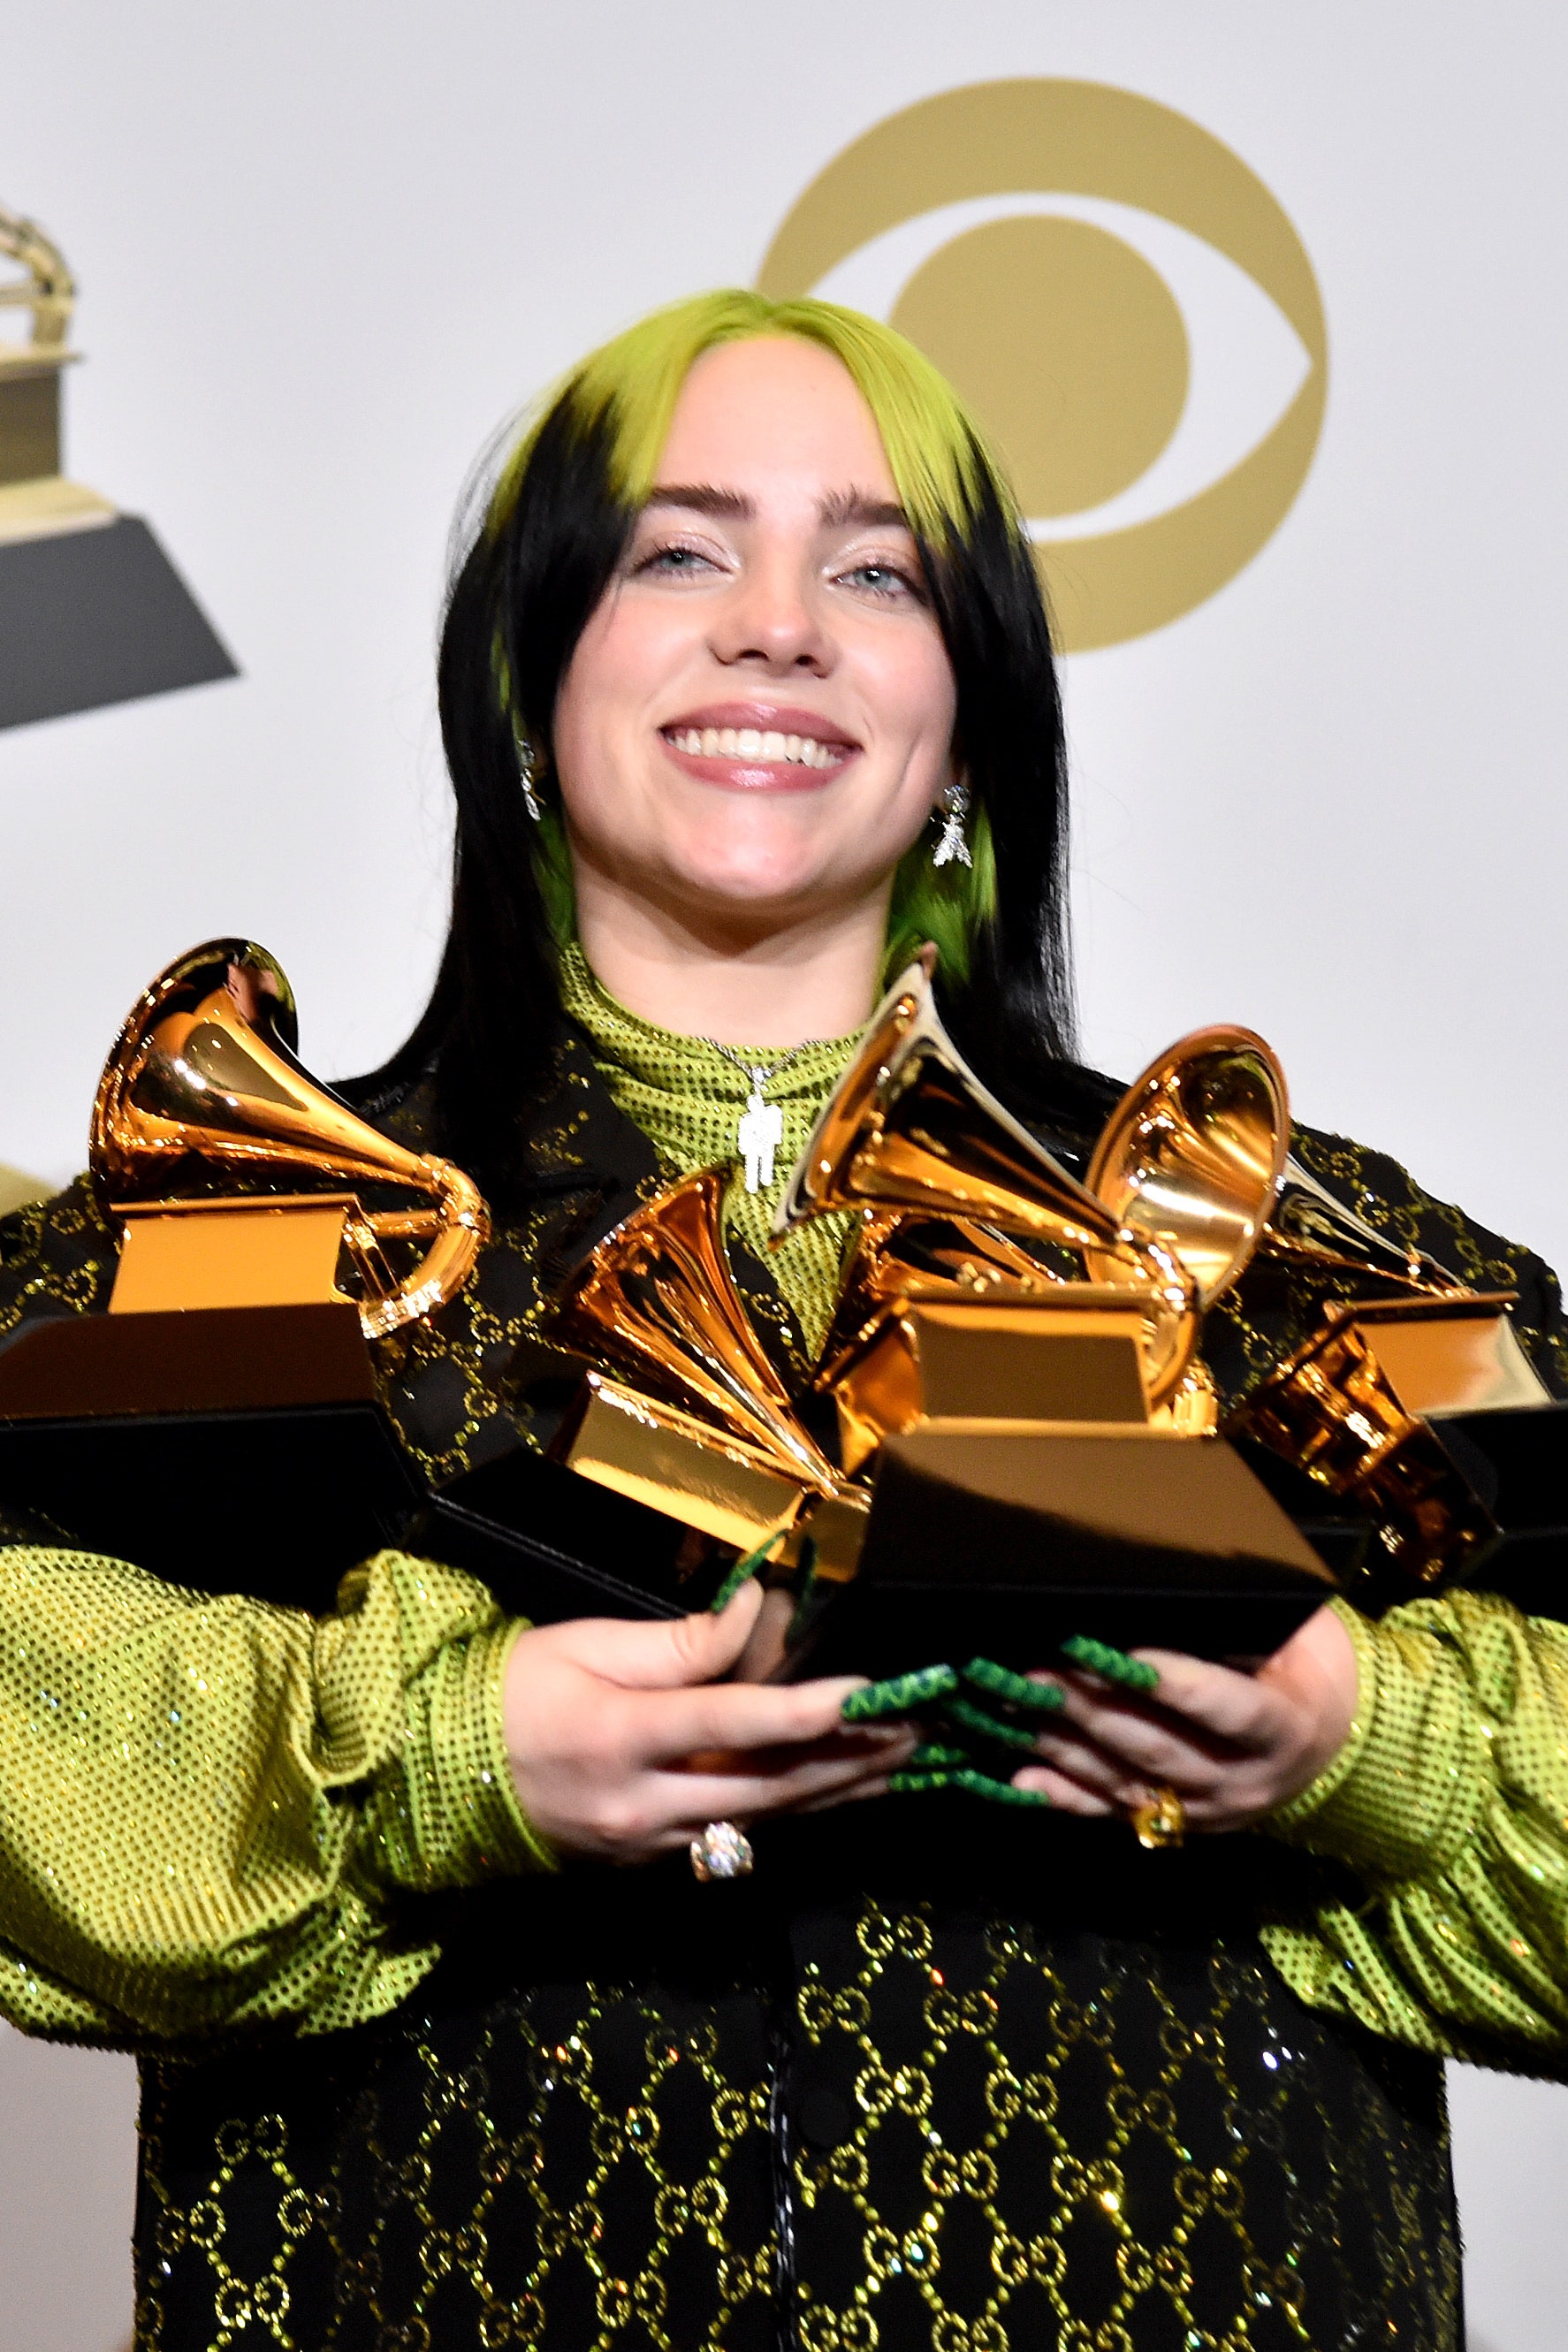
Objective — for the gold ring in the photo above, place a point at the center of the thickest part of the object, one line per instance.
(1161, 1820)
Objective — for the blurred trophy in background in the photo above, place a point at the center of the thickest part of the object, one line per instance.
(91, 610)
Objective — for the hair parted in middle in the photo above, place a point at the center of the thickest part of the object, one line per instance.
(544, 543)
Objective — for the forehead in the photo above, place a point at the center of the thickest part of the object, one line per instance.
(777, 409)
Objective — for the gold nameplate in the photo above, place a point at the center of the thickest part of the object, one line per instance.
(676, 1464)
(1051, 1358)
(254, 1252)
(1450, 1355)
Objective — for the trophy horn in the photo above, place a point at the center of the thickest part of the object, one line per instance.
(1193, 1155)
(656, 1306)
(1196, 1157)
(910, 1129)
(203, 1084)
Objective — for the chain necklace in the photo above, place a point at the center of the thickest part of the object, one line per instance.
(761, 1129)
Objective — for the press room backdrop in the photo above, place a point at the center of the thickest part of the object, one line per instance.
(1266, 306)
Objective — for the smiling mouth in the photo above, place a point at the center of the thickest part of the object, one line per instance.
(767, 746)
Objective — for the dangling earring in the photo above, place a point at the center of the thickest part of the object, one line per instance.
(954, 808)
(530, 769)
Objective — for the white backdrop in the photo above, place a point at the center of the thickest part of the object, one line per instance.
(324, 249)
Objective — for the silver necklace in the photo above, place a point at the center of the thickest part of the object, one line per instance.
(761, 1129)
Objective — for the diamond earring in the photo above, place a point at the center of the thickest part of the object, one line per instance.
(954, 808)
(528, 771)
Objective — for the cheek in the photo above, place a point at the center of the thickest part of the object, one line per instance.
(615, 667)
(912, 685)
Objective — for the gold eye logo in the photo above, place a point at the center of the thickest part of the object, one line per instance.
(1123, 304)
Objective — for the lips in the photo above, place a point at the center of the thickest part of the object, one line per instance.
(758, 746)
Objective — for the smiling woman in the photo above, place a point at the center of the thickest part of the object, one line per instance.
(746, 686)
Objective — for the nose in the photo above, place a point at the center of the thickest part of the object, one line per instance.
(772, 621)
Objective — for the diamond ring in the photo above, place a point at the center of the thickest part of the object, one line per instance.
(721, 1852)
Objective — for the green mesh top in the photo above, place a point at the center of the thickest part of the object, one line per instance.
(688, 1097)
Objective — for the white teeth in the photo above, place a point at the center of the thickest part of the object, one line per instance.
(753, 743)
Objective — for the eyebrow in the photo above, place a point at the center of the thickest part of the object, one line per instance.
(842, 509)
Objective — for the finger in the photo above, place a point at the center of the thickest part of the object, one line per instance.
(1141, 1747)
(1106, 1777)
(1113, 1717)
(666, 1727)
(667, 1653)
(687, 1801)
(1233, 1707)
(1066, 1794)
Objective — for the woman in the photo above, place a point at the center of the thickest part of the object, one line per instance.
(747, 634)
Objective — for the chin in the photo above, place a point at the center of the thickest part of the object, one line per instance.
(755, 889)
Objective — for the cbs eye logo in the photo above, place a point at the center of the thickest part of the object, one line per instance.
(1121, 302)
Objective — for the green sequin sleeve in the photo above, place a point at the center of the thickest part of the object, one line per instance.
(1446, 1923)
(219, 1813)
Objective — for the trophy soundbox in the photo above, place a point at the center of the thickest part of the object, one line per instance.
(217, 1419)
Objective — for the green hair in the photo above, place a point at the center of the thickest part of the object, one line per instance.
(626, 393)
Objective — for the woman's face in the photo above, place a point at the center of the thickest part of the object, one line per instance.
(758, 719)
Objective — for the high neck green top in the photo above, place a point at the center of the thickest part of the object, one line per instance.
(687, 1099)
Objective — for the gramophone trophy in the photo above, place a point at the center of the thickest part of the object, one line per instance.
(1026, 1443)
(91, 610)
(219, 1423)
(1010, 1438)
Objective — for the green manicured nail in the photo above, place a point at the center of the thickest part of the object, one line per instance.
(998, 1792)
(1110, 1665)
(964, 1712)
(743, 1571)
(897, 1696)
(916, 1784)
(1000, 1682)
(973, 1784)
(931, 1756)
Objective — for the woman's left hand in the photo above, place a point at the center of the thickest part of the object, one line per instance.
(1232, 1746)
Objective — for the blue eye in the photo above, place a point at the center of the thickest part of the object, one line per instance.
(674, 561)
(881, 579)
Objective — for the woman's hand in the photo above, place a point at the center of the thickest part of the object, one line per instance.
(1233, 1745)
(625, 1745)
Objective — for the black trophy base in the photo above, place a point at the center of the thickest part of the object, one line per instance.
(97, 615)
(981, 1544)
(281, 1502)
(278, 1503)
(1517, 1462)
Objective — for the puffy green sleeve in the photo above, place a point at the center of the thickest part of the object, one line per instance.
(217, 1813)
(1441, 1917)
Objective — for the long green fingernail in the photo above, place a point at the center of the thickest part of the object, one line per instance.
(989, 1727)
(1110, 1665)
(998, 1792)
(743, 1571)
(930, 1756)
(898, 1694)
(972, 1783)
(1000, 1682)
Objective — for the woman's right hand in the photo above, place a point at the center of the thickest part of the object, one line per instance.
(625, 1744)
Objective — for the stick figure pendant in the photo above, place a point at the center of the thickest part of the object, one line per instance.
(759, 1135)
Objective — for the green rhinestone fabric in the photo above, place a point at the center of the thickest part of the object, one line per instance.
(687, 1100)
